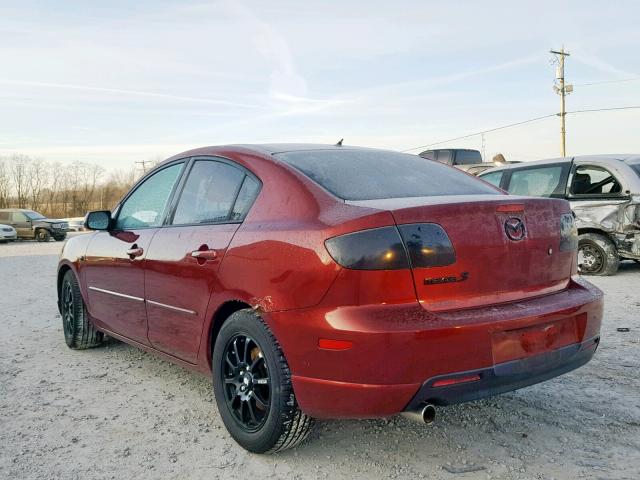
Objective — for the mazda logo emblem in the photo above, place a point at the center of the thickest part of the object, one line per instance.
(514, 228)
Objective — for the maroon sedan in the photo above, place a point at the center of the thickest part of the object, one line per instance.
(332, 282)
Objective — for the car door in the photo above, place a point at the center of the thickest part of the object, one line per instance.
(22, 224)
(594, 193)
(184, 257)
(547, 180)
(113, 268)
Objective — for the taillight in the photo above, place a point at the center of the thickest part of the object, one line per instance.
(428, 245)
(374, 249)
(386, 248)
(568, 233)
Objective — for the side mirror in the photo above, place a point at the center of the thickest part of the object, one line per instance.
(98, 220)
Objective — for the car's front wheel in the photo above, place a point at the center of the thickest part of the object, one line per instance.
(43, 235)
(597, 255)
(79, 332)
(252, 386)
(59, 238)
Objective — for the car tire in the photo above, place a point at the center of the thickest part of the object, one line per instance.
(261, 417)
(59, 238)
(79, 332)
(597, 255)
(43, 235)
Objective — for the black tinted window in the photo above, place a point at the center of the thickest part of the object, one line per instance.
(145, 207)
(374, 174)
(246, 196)
(444, 156)
(209, 193)
(468, 157)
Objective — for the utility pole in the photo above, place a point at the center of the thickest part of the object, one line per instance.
(562, 89)
(143, 164)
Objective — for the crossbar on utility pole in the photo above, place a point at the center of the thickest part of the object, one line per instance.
(562, 89)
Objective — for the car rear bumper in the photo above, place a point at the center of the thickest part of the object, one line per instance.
(504, 377)
(397, 352)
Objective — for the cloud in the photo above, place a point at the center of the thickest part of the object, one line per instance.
(121, 91)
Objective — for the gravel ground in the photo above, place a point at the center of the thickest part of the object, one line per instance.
(116, 412)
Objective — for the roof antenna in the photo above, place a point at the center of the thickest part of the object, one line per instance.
(339, 144)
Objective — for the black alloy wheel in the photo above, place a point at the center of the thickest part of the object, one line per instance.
(246, 381)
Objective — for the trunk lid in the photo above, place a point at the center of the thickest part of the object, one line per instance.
(489, 267)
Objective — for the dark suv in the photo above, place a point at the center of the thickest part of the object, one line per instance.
(34, 225)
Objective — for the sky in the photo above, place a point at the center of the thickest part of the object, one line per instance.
(118, 82)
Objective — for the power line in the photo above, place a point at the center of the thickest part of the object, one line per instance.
(632, 79)
(482, 132)
(502, 127)
(630, 107)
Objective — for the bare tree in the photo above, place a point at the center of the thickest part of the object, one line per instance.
(5, 182)
(37, 173)
(19, 174)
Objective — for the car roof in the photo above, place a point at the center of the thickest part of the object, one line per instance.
(265, 149)
(626, 158)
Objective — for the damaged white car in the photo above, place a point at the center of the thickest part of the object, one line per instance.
(604, 192)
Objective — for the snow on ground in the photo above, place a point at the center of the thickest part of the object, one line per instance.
(116, 412)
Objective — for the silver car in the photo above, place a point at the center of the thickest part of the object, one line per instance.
(604, 192)
(7, 233)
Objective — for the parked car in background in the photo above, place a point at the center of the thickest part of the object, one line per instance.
(34, 225)
(453, 156)
(315, 281)
(604, 192)
(75, 224)
(7, 233)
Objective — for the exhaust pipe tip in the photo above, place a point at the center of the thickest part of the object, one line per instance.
(426, 414)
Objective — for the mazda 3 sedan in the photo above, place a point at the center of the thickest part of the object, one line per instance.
(318, 281)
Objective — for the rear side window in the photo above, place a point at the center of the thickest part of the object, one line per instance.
(636, 168)
(592, 180)
(536, 182)
(373, 174)
(4, 216)
(494, 178)
(444, 156)
(246, 196)
(209, 193)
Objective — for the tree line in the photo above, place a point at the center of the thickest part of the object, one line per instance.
(60, 190)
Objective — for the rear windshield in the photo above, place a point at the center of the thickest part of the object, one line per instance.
(636, 168)
(375, 174)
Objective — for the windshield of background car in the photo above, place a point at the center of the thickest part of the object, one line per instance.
(371, 174)
(34, 215)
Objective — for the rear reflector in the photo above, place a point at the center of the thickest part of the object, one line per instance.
(510, 208)
(453, 381)
(328, 344)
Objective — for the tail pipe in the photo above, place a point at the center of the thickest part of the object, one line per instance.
(425, 414)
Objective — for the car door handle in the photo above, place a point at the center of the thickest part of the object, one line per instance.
(134, 252)
(205, 254)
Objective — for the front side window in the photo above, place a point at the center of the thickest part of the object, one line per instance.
(592, 180)
(34, 215)
(494, 178)
(209, 193)
(536, 182)
(146, 206)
